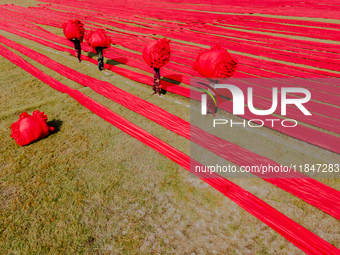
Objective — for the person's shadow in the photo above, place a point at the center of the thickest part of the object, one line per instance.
(174, 79)
(113, 62)
(116, 61)
(91, 54)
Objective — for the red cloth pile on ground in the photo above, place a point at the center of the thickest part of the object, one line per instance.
(74, 29)
(157, 53)
(30, 128)
(215, 63)
(98, 38)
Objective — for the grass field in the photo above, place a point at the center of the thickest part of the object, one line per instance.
(90, 188)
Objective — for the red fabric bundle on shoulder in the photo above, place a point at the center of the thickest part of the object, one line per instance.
(216, 63)
(98, 38)
(30, 128)
(157, 53)
(74, 29)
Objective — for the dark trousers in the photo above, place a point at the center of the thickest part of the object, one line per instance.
(156, 80)
(77, 47)
(100, 57)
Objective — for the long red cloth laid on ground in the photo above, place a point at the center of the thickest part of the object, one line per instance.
(336, 99)
(330, 99)
(308, 107)
(149, 21)
(239, 46)
(98, 38)
(157, 53)
(303, 133)
(236, 20)
(238, 34)
(292, 231)
(215, 63)
(30, 128)
(319, 108)
(314, 121)
(246, 8)
(270, 40)
(310, 190)
(74, 29)
(316, 95)
(276, 46)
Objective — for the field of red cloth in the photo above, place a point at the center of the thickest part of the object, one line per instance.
(277, 48)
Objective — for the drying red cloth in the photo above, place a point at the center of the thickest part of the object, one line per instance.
(74, 29)
(216, 63)
(292, 231)
(98, 38)
(157, 53)
(30, 128)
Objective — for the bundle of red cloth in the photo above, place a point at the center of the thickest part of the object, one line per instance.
(30, 128)
(74, 29)
(98, 38)
(216, 63)
(157, 53)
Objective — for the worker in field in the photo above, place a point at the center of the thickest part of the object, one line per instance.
(74, 31)
(157, 54)
(99, 41)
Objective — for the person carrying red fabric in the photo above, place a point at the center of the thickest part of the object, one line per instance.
(99, 41)
(74, 31)
(215, 63)
(157, 54)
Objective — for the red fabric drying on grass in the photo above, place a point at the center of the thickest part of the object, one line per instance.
(217, 38)
(292, 231)
(310, 190)
(74, 29)
(157, 53)
(149, 20)
(97, 38)
(330, 99)
(254, 21)
(215, 63)
(335, 99)
(30, 128)
(300, 132)
(230, 43)
(268, 7)
(260, 71)
(263, 92)
(321, 107)
(328, 111)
